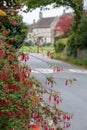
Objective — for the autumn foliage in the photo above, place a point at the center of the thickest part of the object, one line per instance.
(64, 24)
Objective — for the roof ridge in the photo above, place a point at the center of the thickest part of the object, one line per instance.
(44, 22)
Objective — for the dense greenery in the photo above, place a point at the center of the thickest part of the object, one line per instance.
(14, 29)
(77, 5)
(78, 37)
(60, 44)
(71, 60)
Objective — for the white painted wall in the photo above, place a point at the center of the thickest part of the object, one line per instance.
(43, 32)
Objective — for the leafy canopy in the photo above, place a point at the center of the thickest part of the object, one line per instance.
(77, 5)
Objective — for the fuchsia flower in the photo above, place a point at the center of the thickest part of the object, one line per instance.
(66, 83)
(1, 52)
(4, 75)
(4, 33)
(50, 98)
(13, 87)
(5, 89)
(10, 114)
(48, 53)
(24, 57)
(14, 22)
(4, 103)
(24, 96)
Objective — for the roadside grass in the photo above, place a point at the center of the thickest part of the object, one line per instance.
(28, 48)
(36, 49)
(71, 60)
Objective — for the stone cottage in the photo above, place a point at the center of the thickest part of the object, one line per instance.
(42, 31)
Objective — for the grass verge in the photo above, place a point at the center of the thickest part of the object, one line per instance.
(59, 56)
(34, 49)
(71, 60)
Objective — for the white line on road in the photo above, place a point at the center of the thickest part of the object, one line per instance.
(78, 71)
(48, 70)
(42, 70)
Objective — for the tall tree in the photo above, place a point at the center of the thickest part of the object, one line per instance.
(76, 5)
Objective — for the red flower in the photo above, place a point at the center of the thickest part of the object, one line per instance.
(4, 33)
(11, 22)
(50, 98)
(4, 103)
(13, 87)
(66, 83)
(68, 117)
(17, 76)
(4, 75)
(10, 114)
(64, 117)
(35, 127)
(5, 89)
(1, 52)
(14, 22)
(15, 67)
(24, 57)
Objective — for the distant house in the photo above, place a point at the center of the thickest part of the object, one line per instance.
(42, 30)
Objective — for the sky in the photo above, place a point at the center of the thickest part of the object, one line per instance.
(30, 16)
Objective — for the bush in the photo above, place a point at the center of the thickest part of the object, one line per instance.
(78, 37)
(14, 30)
(71, 48)
(21, 96)
(59, 45)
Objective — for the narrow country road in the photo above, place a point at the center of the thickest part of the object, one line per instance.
(74, 96)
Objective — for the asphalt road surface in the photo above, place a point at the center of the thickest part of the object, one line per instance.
(74, 95)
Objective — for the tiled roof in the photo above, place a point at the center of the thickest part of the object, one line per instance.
(31, 27)
(43, 22)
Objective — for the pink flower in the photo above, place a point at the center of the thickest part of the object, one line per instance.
(50, 98)
(14, 22)
(66, 83)
(24, 58)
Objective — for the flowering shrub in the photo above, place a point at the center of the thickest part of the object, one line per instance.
(21, 96)
(13, 29)
(22, 103)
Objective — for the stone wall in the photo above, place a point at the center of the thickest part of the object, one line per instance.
(82, 54)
